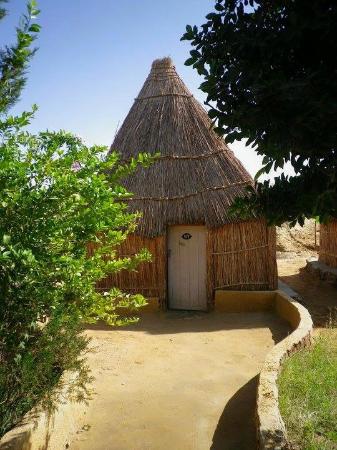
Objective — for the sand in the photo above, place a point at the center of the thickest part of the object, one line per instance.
(182, 381)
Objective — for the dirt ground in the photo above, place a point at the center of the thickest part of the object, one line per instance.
(182, 381)
(294, 246)
(319, 297)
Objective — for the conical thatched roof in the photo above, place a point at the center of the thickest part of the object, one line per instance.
(197, 177)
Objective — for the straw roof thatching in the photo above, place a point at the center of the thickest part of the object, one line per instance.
(197, 176)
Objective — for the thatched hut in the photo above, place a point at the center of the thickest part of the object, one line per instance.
(328, 243)
(184, 198)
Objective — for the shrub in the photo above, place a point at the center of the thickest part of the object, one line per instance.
(56, 196)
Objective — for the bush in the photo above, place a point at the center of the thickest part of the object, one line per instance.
(37, 378)
(56, 196)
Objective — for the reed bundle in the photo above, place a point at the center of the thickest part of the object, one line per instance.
(328, 243)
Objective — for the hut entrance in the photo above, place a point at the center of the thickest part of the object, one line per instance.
(187, 267)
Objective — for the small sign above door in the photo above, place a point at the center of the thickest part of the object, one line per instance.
(186, 236)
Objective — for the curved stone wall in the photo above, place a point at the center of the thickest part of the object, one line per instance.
(271, 431)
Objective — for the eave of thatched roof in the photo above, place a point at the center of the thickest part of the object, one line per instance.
(197, 176)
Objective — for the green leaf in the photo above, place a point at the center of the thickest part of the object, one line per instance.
(6, 239)
(213, 113)
(263, 170)
(34, 28)
(189, 62)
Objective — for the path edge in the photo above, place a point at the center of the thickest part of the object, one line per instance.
(271, 430)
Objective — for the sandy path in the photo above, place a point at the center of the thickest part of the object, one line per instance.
(178, 381)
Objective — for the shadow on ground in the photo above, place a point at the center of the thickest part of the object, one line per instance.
(172, 322)
(239, 412)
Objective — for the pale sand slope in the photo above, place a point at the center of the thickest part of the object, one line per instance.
(298, 240)
(178, 381)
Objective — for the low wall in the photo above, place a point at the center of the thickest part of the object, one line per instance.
(322, 270)
(271, 428)
(244, 301)
(271, 432)
(42, 431)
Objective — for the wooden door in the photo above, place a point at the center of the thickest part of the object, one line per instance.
(187, 267)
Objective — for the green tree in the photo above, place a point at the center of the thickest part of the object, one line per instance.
(14, 59)
(56, 196)
(270, 77)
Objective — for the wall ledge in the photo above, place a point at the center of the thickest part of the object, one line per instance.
(271, 431)
(322, 270)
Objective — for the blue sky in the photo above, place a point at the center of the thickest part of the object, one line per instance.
(94, 56)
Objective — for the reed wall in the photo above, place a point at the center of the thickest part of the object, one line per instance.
(240, 256)
(150, 277)
(328, 243)
(243, 257)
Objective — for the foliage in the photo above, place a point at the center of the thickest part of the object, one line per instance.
(14, 59)
(270, 76)
(56, 196)
(308, 397)
(37, 377)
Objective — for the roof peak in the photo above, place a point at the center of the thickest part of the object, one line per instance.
(163, 81)
(162, 64)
